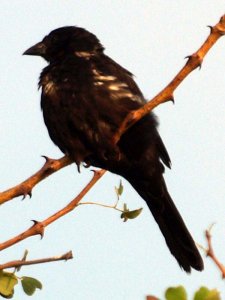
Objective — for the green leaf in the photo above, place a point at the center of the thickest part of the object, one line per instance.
(7, 297)
(7, 283)
(119, 190)
(30, 284)
(205, 294)
(201, 293)
(213, 295)
(176, 293)
(130, 214)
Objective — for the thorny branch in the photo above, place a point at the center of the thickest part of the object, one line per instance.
(194, 61)
(39, 226)
(51, 166)
(25, 187)
(19, 263)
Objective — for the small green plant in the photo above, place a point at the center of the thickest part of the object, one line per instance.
(8, 280)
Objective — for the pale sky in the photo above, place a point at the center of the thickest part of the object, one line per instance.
(112, 259)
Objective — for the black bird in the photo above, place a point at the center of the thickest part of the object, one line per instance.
(85, 97)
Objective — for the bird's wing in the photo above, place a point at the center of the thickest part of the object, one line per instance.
(125, 96)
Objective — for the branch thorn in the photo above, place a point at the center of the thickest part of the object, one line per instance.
(39, 228)
(171, 98)
(210, 27)
(46, 158)
(27, 193)
(187, 57)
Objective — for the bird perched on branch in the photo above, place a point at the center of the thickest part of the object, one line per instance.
(85, 97)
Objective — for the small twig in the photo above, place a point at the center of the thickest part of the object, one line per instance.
(19, 263)
(103, 205)
(25, 187)
(194, 61)
(211, 254)
(24, 258)
(38, 227)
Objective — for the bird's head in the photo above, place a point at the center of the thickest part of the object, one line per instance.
(64, 41)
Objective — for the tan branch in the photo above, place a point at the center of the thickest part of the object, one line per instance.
(19, 263)
(25, 187)
(194, 61)
(39, 227)
(210, 253)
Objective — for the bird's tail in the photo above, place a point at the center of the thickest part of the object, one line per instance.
(172, 226)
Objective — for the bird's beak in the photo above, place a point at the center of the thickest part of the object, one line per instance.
(38, 49)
